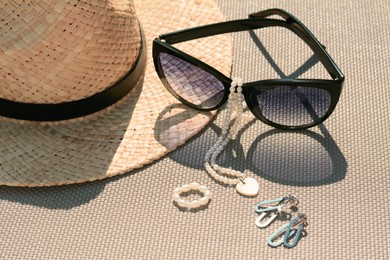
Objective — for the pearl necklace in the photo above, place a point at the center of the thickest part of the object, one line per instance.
(234, 108)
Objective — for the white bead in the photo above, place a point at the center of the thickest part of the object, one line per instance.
(194, 204)
(177, 191)
(203, 189)
(203, 201)
(182, 203)
(239, 81)
(207, 193)
(194, 186)
(176, 197)
(185, 188)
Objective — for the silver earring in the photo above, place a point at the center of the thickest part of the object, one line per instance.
(292, 230)
(270, 209)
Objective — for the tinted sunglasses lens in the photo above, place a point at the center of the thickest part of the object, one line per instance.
(293, 105)
(191, 83)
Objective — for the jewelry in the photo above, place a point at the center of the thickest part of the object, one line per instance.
(274, 208)
(195, 203)
(293, 228)
(244, 185)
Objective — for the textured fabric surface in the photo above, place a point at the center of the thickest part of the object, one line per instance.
(339, 171)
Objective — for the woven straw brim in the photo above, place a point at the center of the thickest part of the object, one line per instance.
(145, 125)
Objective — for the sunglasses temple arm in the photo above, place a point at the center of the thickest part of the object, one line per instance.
(280, 12)
(219, 28)
(304, 33)
(256, 21)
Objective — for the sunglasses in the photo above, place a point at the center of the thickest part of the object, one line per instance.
(282, 103)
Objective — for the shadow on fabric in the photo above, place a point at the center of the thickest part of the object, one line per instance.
(302, 158)
(59, 198)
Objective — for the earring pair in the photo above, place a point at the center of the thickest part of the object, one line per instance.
(282, 208)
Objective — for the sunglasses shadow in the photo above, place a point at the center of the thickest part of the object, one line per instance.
(313, 60)
(299, 158)
(174, 117)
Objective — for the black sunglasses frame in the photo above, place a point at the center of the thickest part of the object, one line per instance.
(163, 44)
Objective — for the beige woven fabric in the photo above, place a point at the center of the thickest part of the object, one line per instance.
(141, 128)
(339, 171)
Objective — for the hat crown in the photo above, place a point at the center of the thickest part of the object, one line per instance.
(58, 51)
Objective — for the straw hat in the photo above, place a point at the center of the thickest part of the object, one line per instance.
(67, 55)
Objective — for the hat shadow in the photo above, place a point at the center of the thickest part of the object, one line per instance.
(103, 151)
(57, 198)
